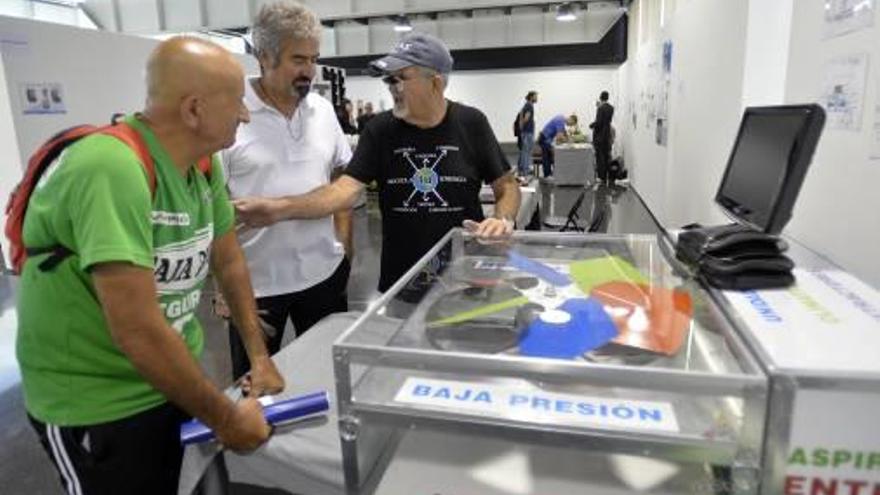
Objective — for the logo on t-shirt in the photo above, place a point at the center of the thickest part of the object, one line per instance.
(425, 179)
(182, 266)
(170, 218)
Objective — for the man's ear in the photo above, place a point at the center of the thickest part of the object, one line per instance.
(191, 111)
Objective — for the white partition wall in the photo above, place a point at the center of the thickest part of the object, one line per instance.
(10, 170)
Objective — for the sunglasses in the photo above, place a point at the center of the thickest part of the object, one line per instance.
(395, 79)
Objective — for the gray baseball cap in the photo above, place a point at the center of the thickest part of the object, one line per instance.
(415, 49)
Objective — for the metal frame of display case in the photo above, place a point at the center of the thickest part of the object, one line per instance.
(370, 431)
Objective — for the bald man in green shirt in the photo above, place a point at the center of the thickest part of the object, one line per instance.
(108, 340)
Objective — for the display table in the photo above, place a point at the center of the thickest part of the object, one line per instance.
(574, 164)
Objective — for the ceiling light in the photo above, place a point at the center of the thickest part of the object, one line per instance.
(402, 25)
(565, 13)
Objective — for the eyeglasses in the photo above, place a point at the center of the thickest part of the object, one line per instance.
(396, 79)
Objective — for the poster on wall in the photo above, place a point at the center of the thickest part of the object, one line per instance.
(42, 98)
(845, 16)
(875, 136)
(661, 131)
(843, 92)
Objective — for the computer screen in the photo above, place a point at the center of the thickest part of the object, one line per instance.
(768, 163)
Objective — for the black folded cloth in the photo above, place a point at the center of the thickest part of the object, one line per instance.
(735, 257)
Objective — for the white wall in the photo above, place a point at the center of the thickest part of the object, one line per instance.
(10, 165)
(838, 213)
(500, 93)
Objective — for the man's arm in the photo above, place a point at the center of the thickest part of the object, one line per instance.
(320, 202)
(127, 294)
(231, 273)
(507, 200)
(342, 219)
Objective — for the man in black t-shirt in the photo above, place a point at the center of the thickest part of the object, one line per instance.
(429, 157)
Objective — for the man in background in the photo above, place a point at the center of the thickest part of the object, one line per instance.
(553, 132)
(527, 134)
(602, 136)
(365, 117)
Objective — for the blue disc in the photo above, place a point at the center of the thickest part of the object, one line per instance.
(587, 328)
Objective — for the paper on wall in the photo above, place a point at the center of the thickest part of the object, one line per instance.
(843, 91)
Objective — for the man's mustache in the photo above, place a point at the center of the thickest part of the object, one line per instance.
(302, 86)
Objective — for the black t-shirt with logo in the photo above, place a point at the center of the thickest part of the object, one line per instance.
(429, 179)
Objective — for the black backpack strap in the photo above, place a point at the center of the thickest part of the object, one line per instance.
(57, 254)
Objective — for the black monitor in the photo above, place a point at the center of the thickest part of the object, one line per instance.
(768, 163)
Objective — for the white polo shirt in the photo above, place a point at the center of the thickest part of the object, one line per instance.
(275, 157)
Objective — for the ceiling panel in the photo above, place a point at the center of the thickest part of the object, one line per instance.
(526, 26)
(227, 13)
(456, 29)
(491, 28)
(377, 6)
(328, 42)
(182, 14)
(382, 35)
(139, 16)
(424, 24)
(352, 38)
(564, 32)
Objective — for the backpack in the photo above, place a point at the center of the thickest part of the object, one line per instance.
(516, 130)
(37, 165)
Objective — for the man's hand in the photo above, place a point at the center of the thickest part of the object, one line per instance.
(257, 212)
(262, 379)
(244, 428)
(490, 228)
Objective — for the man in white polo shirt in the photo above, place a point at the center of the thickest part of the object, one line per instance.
(292, 145)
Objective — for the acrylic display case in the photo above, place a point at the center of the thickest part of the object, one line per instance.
(566, 344)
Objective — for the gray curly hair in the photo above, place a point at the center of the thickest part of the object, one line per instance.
(279, 21)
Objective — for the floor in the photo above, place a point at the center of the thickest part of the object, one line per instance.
(25, 469)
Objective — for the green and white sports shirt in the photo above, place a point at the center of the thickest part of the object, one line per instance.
(96, 201)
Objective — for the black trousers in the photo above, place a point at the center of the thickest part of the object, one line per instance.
(304, 308)
(603, 158)
(137, 455)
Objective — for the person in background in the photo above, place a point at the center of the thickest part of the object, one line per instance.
(527, 134)
(292, 144)
(603, 136)
(553, 132)
(108, 340)
(365, 117)
(429, 157)
(346, 118)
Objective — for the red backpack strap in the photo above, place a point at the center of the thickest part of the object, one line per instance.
(16, 207)
(131, 137)
(205, 165)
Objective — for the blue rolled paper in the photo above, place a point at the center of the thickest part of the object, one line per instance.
(195, 431)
